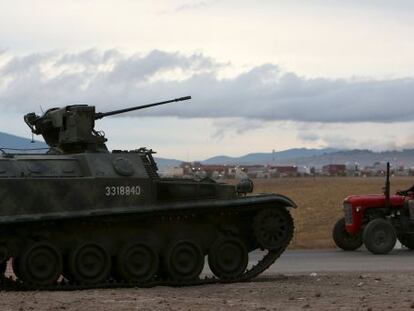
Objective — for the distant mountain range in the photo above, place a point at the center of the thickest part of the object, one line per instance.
(310, 157)
(362, 157)
(269, 158)
(254, 158)
(296, 156)
(164, 163)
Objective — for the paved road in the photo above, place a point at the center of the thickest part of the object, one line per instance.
(308, 261)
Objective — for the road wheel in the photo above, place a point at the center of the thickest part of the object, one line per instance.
(137, 262)
(344, 240)
(407, 240)
(273, 228)
(184, 260)
(40, 264)
(228, 258)
(89, 263)
(379, 236)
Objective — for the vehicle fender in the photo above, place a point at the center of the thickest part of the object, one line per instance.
(282, 200)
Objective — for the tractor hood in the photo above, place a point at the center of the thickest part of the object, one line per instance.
(374, 200)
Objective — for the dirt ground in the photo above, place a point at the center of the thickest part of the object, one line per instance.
(319, 202)
(351, 291)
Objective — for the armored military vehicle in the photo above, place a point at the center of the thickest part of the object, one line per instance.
(80, 216)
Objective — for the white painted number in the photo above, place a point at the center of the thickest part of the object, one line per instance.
(111, 191)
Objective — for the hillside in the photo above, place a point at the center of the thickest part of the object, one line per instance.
(320, 157)
(163, 163)
(362, 157)
(253, 158)
(310, 157)
(269, 158)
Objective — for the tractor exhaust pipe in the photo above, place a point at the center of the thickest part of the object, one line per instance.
(387, 186)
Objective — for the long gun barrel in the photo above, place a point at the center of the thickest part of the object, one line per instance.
(101, 115)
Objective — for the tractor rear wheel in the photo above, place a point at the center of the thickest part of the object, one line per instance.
(343, 239)
(407, 240)
(379, 236)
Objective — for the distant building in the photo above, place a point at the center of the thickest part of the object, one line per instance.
(255, 171)
(334, 169)
(203, 170)
(304, 170)
(377, 169)
(172, 172)
(284, 171)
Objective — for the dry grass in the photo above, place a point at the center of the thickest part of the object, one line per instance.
(319, 202)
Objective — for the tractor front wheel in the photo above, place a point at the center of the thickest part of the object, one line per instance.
(379, 236)
(343, 239)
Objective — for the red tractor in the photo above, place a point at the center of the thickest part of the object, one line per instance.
(377, 221)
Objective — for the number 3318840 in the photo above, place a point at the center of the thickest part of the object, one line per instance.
(111, 191)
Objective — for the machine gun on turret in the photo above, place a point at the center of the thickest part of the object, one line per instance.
(71, 129)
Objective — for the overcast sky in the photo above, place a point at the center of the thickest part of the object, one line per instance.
(263, 74)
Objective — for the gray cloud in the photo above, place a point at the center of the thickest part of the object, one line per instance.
(228, 127)
(308, 137)
(110, 80)
(91, 57)
(192, 5)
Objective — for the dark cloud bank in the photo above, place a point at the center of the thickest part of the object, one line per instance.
(110, 80)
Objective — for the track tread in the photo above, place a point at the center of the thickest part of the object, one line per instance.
(10, 284)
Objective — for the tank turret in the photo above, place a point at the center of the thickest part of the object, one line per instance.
(71, 129)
